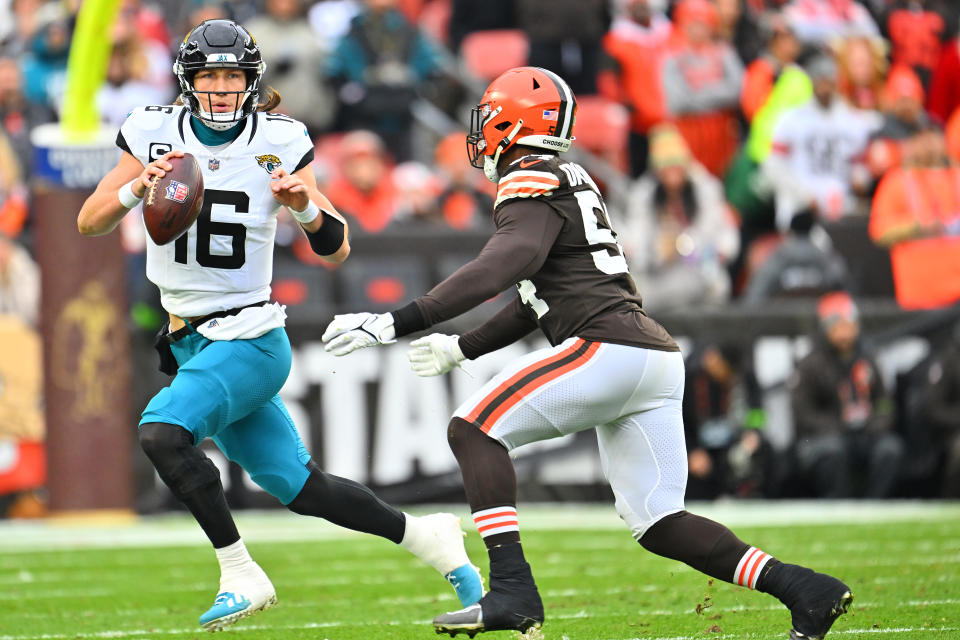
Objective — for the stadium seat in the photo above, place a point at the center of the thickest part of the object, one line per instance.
(488, 53)
(382, 283)
(602, 127)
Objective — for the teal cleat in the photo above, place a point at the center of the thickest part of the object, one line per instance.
(467, 583)
(239, 598)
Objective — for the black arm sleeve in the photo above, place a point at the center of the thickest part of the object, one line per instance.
(304, 161)
(122, 142)
(526, 230)
(509, 325)
(328, 239)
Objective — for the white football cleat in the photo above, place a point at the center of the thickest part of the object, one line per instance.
(240, 596)
(437, 539)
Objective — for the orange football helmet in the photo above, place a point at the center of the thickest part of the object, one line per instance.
(529, 106)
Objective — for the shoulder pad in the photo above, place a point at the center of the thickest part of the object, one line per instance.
(280, 129)
(151, 118)
(529, 177)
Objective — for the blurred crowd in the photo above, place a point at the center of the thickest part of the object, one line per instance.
(769, 149)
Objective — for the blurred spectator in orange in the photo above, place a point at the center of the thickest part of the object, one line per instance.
(380, 67)
(565, 37)
(363, 190)
(917, 33)
(148, 22)
(18, 116)
(702, 80)
(944, 95)
(418, 191)
(679, 232)
(817, 22)
(953, 137)
(13, 191)
(843, 417)
(916, 213)
(737, 26)
(631, 75)
(818, 156)
(903, 118)
(862, 71)
(783, 48)
(296, 62)
(467, 197)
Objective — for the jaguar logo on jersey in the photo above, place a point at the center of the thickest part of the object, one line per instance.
(177, 191)
(213, 164)
(269, 162)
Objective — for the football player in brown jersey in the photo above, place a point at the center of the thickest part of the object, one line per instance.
(611, 368)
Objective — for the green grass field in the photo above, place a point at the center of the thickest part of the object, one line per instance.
(152, 579)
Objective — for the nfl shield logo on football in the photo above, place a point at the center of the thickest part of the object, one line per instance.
(177, 191)
(213, 164)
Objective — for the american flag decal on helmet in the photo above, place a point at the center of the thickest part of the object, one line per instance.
(549, 114)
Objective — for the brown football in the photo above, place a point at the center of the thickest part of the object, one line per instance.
(173, 203)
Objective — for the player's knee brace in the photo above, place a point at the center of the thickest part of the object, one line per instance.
(181, 466)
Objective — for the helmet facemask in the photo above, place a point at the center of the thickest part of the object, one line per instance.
(197, 53)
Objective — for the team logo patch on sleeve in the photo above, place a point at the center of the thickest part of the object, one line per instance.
(177, 191)
(526, 184)
(269, 162)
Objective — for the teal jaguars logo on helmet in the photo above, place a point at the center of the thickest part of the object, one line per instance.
(269, 162)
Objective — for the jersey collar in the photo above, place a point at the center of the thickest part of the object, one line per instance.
(210, 138)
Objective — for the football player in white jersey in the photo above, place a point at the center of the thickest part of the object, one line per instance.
(225, 341)
(611, 368)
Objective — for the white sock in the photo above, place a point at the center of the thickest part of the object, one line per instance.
(436, 539)
(234, 559)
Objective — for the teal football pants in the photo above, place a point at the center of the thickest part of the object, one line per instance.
(227, 390)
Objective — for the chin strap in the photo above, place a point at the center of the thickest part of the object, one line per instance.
(490, 163)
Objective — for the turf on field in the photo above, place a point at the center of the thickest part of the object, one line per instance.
(154, 578)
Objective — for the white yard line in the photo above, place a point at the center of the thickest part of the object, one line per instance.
(278, 526)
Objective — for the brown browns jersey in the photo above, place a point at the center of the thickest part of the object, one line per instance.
(584, 287)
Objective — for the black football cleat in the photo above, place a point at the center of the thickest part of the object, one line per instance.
(496, 611)
(818, 601)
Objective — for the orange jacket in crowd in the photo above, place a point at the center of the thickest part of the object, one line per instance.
(638, 53)
(373, 210)
(922, 206)
(916, 37)
(944, 95)
(758, 82)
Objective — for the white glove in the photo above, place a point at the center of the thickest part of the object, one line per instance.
(435, 354)
(351, 331)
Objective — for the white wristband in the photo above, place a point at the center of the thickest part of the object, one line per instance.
(308, 215)
(127, 198)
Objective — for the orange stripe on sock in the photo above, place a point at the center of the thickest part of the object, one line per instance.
(753, 572)
(746, 564)
(497, 525)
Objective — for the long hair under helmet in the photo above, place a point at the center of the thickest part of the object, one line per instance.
(219, 44)
(528, 106)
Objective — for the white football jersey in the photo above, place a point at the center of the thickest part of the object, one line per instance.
(225, 260)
